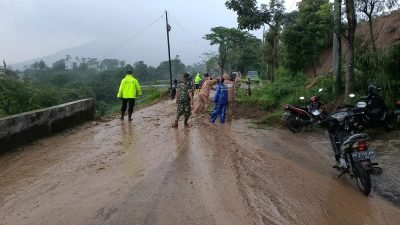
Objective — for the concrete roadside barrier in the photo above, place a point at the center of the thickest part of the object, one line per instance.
(25, 127)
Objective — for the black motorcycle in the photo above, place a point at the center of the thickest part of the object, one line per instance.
(374, 110)
(397, 110)
(351, 147)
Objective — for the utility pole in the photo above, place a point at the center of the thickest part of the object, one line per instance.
(169, 49)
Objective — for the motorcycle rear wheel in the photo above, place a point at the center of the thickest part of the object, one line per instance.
(363, 179)
(293, 124)
(390, 121)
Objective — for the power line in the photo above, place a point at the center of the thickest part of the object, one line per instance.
(187, 33)
(132, 37)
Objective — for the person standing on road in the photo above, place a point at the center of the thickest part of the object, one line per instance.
(184, 99)
(173, 91)
(128, 89)
(197, 81)
(221, 101)
(204, 93)
(231, 93)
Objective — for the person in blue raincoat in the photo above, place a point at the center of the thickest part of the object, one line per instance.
(221, 101)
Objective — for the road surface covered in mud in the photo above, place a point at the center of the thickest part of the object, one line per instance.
(146, 172)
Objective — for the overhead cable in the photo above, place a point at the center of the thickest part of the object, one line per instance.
(132, 37)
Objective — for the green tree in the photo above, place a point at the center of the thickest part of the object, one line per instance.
(141, 70)
(92, 63)
(109, 64)
(307, 35)
(59, 64)
(252, 17)
(42, 65)
(177, 66)
(228, 40)
(67, 60)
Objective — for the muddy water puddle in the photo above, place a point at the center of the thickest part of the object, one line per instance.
(145, 172)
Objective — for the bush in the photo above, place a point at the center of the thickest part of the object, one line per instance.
(285, 90)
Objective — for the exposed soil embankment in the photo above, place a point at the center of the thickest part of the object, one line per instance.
(386, 31)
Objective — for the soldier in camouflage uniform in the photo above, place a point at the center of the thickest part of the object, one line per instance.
(184, 99)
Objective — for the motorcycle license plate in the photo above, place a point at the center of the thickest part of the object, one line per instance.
(363, 155)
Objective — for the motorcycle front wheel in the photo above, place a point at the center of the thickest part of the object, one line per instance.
(363, 179)
(293, 124)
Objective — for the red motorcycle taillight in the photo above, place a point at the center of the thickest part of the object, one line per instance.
(361, 145)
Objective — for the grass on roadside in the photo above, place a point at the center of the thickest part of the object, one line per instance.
(285, 90)
(150, 95)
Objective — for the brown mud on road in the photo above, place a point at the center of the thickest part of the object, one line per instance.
(146, 172)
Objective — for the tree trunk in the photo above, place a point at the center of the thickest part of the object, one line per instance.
(337, 47)
(352, 23)
(371, 33)
(275, 55)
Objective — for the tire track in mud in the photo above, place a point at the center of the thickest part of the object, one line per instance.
(300, 190)
(145, 172)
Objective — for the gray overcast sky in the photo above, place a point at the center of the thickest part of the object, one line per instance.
(35, 28)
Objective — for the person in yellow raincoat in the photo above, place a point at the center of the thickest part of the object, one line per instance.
(197, 81)
(128, 89)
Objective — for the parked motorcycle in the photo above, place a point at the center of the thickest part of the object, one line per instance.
(351, 147)
(297, 117)
(375, 112)
(397, 110)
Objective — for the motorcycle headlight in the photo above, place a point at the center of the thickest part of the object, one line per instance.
(361, 104)
(316, 112)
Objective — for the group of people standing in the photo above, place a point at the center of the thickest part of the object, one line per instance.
(185, 95)
(186, 91)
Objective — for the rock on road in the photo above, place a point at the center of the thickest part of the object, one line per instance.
(146, 172)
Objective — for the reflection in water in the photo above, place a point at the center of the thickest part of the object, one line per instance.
(128, 138)
(181, 143)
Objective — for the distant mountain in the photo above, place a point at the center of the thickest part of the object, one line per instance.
(152, 53)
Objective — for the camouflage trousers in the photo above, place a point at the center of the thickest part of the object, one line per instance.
(183, 108)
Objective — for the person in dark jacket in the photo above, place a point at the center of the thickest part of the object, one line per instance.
(173, 91)
(221, 101)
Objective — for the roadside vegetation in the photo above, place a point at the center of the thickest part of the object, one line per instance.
(70, 79)
(288, 58)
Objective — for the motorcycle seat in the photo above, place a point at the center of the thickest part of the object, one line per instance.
(355, 137)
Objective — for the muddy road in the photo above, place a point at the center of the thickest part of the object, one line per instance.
(146, 172)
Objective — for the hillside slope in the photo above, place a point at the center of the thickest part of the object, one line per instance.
(386, 31)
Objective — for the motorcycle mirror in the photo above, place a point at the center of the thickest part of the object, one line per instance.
(320, 90)
(352, 95)
(301, 98)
